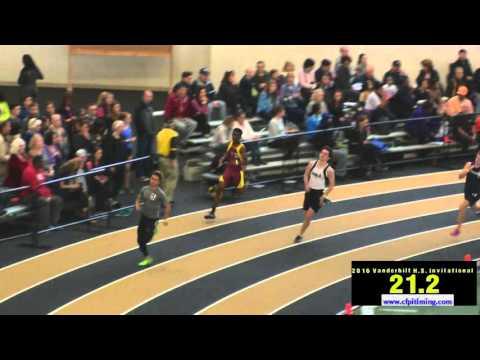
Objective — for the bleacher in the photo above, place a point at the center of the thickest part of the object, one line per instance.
(401, 149)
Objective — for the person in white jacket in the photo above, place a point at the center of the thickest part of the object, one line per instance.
(251, 137)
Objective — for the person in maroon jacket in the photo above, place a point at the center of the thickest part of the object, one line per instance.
(46, 205)
(16, 164)
(178, 109)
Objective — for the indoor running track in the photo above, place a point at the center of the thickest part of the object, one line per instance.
(245, 262)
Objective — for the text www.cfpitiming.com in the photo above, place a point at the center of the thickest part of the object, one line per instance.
(418, 300)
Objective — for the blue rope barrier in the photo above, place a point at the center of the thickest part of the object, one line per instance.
(313, 132)
(90, 172)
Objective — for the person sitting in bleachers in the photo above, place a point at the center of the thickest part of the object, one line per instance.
(277, 128)
(221, 136)
(34, 127)
(267, 100)
(242, 123)
(324, 121)
(428, 73)
(74, 192)
(422, 92)
(423, 130)
(5, 128)
(203, 81)
(358, 144)
(187, 81)
(25, 112)
(396, 73)
(458, 79)
(369, 75)
(335, 107)
(319, 121)
(291, 98)
(328, 86)
(179, 110)
(16, 163)
(401, 104)
(36, 146)
(324, 69)
(100, 185)
(200, 111)
(459, 108)
(389, 89)
(52, 151)
(318, 97)
(15, 119)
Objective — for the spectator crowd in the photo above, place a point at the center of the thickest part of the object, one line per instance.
(59, 140)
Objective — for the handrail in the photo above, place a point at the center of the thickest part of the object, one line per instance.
(302, 133)
(93, 171)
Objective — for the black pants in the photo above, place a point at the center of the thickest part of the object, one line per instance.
(145, 230)
(369, 155)
(118, 178)
(288, 144)
(202, 122)
(47, 211)
(144, 148)
(254, 148)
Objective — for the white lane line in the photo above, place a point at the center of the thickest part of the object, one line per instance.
(331, 257)
(348, 277)
(188, 233)
(241, 261)
(238, 204)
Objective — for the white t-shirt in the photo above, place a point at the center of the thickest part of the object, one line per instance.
(389, 90)
(221, 135)
(247, 131)
(373, 101)
(276, 127)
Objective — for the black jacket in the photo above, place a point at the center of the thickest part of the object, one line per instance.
(465, 64)
(453, 85)
(29, 76)
(257, 80)
(434, 77)
(320, 72)
(476, 81)
(114, 150)
(230, 94)
(398, 77)
(79, 142)
(402, 103)
(143, 119)
(342, 81)
(197, 85)
(364, 79)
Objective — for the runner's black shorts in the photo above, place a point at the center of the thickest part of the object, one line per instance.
(472, 198)
(312, 200)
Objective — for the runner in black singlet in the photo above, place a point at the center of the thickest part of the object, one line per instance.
(471, 192)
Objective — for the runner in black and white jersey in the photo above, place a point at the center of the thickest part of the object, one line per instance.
(319, 180)
(471, 191)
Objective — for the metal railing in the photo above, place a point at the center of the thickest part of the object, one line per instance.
(107, 214)
(352, 126)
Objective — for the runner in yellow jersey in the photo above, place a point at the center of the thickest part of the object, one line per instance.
(234, 174)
